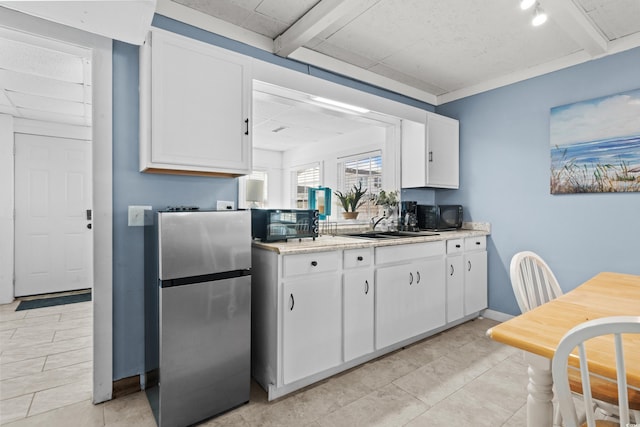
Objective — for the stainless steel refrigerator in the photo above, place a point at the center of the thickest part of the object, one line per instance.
(203, 338)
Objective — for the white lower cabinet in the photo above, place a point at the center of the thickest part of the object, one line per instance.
(455, 288)
(475, 275)
(410, 298)
(358, 294)
(455, 280)
(311, 325)
(316, 314)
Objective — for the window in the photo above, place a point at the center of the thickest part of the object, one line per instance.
(303, 180)
(365, 168)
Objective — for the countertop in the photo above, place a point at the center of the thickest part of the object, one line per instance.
(328, 243)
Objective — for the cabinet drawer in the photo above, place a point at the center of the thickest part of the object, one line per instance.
(389, 254)
(357, 257)
(455, 246)
(318, 262)
(475, 243)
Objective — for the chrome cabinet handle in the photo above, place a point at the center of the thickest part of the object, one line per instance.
(410, 278)
(418, 275)
(366, 287)
(293, 302)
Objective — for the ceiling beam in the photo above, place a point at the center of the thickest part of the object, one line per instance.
(573, 21)
(316, 20)
(328, 63)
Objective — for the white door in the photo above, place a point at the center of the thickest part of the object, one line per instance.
(53, 238)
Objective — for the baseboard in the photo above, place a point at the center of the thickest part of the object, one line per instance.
(496, 315)
(126, 386)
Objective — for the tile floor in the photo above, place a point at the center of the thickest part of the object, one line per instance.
(456, 378)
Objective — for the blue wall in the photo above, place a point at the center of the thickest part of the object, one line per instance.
(505, 171)
(131, 187)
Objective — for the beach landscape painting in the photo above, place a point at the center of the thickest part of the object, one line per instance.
(595, 145)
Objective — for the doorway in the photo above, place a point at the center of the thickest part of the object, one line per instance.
(15, 24)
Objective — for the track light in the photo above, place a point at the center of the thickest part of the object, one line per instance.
(526, 4)
(539, 16)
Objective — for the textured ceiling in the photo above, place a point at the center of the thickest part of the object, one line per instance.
(435, 50)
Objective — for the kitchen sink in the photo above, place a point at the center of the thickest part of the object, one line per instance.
(391, 234)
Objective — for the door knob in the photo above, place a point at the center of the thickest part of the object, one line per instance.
(89, 226)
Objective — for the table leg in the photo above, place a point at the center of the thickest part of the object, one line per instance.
(540, 388)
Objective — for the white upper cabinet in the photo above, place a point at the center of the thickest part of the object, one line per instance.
(430, 152)
(195, 107)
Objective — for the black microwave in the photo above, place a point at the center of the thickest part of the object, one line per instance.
(439, 217)
(272, 225)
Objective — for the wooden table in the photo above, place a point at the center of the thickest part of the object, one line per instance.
(539, 331)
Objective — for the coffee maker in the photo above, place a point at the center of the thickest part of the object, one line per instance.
(408, 216)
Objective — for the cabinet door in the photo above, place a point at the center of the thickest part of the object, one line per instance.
(312, 325)
(455, 288)
(475, 282)
(391, 304)
(428, 296)
(358, 292)
(413, 154)
(410, 300)
(200, 107)
(442, 152)
(430, 152)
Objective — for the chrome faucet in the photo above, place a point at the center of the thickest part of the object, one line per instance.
(374, 223)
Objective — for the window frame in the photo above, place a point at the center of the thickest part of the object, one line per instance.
(294, 181)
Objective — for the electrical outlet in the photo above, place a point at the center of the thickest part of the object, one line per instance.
(225, 205)
(137, 215)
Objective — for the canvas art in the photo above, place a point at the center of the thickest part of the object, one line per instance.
(595, 145)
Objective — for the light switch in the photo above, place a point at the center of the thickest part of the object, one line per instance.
(137, 215)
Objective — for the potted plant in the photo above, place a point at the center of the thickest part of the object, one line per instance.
(389, 201)
(351, 200)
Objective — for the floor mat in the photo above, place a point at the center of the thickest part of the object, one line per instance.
(49, 302)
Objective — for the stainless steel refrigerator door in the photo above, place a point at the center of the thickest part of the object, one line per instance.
(199, 243)
(205, 349)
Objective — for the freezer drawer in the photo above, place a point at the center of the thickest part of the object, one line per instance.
(205, 349)
(199, 243)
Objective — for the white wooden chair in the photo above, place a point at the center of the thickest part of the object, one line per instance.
(576, 337)
(533, 284)
(532, 280)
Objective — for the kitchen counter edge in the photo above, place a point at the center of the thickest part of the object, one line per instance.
(329, 243)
